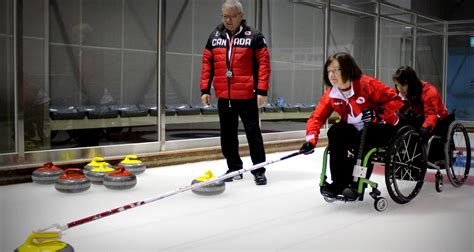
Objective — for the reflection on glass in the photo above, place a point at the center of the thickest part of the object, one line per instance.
(460, 86)
(296, 60)
(7, 101)
(396, 43)
(430, 24)
(102, 72)
(397, 13)
(354, 34)
(361, 5)
(429, 58)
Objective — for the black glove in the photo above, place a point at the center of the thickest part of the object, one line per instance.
(425, 134)
(307, 148)
(402, 120)
(368, 115)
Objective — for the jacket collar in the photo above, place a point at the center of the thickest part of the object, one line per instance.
(336, 93)
(222, 30)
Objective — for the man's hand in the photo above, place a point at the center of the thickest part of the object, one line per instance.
(206, 99)
(261, 100)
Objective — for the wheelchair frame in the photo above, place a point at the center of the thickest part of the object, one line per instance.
(449, 161)
(398, 151)
(407, 155)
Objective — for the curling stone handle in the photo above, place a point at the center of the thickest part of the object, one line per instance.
(48, 164)
(128, 157)
(98, 159)
(73, 171)
(120, 168)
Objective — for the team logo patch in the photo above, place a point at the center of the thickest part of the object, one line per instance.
(218, 33)
(248, 33)
(360, 100)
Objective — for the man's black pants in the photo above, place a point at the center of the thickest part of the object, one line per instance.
(248, 112)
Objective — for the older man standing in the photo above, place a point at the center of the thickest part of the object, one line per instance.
(236, 60)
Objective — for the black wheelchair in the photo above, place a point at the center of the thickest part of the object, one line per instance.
(406, 161)
(405, 167)
(454, 157)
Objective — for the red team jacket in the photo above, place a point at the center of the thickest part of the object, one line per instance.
(366, 92)
(249, 62)
(432, 106)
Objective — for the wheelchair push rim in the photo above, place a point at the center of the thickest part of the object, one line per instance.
(457, 154)
(405, 165)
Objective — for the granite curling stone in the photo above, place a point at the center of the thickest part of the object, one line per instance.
(44, 241)
(133, 165)
(46, 174)
(120, 179)
(72, 181)
(96, 162)
(96, 175)
(215, 188)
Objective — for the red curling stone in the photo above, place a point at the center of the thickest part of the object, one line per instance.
(46, 174)
(72, 181)
(120, 179)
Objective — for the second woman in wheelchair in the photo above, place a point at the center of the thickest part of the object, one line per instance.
(355, 97)
(423, 107)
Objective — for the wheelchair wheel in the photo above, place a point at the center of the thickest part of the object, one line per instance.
(405, 166)
(380, 204)
(457, 152)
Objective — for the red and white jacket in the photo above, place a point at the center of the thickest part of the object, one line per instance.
(245, 54)
(366, 92)
(431, 107)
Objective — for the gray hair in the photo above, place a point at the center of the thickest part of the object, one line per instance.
(233, 3)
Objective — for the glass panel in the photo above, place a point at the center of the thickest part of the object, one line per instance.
(355, 34)
(396, 43)
(361, 5)
(462, 27)
(188, 25)
(295, 35)
(7, 100)
(429, 58)
(397, 13)
(460, 87)
(430, 24)
(103, 65)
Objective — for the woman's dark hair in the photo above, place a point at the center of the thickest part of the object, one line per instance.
(349, 68)
(405, 75)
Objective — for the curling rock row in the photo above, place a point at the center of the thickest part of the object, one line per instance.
(120, 179)
(72, 181)
(215, 188)
(95, 163)
(96, 175)
(133, 165)
(46, 174)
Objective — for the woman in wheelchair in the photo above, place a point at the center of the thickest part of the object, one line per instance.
(423, 107)
(357, 98)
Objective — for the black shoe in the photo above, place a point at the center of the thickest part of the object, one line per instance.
(330, 190)
(350, 194)
(260, 179)
(236, 177)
